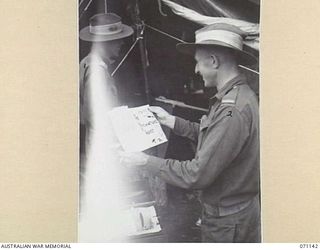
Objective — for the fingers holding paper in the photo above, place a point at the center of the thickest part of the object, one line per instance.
(163, 116)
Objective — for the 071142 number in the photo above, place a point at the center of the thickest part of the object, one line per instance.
(308, 245)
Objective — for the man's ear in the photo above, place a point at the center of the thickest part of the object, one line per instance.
(215, 61)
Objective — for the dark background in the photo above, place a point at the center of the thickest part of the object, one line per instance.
(170, 74)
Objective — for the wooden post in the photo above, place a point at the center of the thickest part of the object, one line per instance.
(143, 55)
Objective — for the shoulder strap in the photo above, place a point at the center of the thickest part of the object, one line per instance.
(231, 97)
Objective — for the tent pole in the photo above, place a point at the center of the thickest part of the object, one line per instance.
(143, 54)
(140, 28)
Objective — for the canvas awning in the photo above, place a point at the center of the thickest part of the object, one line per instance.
(205, 12)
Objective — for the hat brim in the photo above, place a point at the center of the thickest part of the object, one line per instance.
(85, 35)
(245, 58)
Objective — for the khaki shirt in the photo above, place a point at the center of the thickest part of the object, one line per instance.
(226, 164)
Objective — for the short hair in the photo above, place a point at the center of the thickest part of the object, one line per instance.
(223, 53)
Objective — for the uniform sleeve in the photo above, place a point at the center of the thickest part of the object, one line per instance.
(223, 141)
(186, 128)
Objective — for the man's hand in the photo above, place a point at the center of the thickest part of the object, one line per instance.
(163, 116)
(133, 159)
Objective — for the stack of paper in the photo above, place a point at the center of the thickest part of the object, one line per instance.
(136, 128)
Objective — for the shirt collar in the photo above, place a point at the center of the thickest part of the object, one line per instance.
(239, 79)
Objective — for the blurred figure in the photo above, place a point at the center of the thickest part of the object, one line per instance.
(100, 199)
(106, 33)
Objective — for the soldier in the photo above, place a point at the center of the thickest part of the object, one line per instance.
(226, 165)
